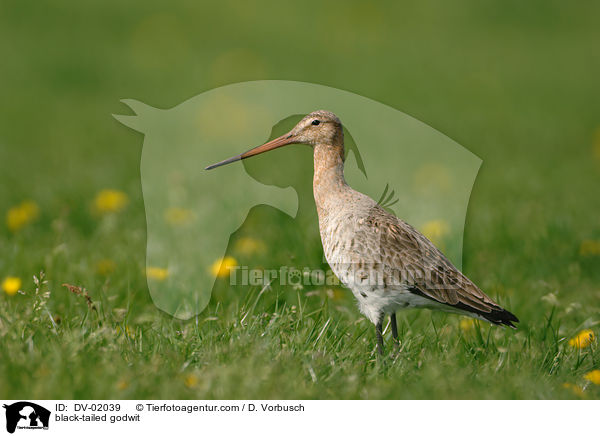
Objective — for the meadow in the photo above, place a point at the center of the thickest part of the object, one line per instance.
(515, 83)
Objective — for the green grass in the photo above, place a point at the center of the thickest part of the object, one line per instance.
(263, 346)
(516, 84)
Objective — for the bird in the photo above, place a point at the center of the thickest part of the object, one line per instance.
(386, 263)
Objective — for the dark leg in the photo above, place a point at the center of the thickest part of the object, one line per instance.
(378, 331)
(394, 328)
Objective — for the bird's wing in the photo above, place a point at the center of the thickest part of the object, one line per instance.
(406, 253)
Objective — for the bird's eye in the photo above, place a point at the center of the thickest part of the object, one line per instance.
(316, 122)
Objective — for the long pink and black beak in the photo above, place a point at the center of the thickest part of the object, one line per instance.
(286, 139)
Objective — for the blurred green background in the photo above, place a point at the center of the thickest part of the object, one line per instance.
(514, 82)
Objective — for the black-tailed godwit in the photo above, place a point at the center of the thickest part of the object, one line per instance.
(386, 263)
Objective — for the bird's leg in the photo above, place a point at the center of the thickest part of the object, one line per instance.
(378, 331)
(394, 329)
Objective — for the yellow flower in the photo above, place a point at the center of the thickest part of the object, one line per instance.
(589, 248)
(11, 285)
(593, 376)
(156, 273)
(128, 331)
(178, 216)
(467, 324)
(248, 246)
(574, 389)
(105, 267)
(190, 380)
(19, 216)
(583, 339)
(110, 201)
(435, 230)
(122, 384)
(220, 268)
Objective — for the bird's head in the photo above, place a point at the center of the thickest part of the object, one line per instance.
(318, 127)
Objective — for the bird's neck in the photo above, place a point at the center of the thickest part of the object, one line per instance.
(328, 179)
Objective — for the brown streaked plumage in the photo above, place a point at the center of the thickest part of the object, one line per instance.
(386, 263)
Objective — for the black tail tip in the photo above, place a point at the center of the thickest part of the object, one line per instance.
(502, 317)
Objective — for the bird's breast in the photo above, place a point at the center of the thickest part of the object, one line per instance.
(351, 247)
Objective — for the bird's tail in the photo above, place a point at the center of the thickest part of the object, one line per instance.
(501, 317)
